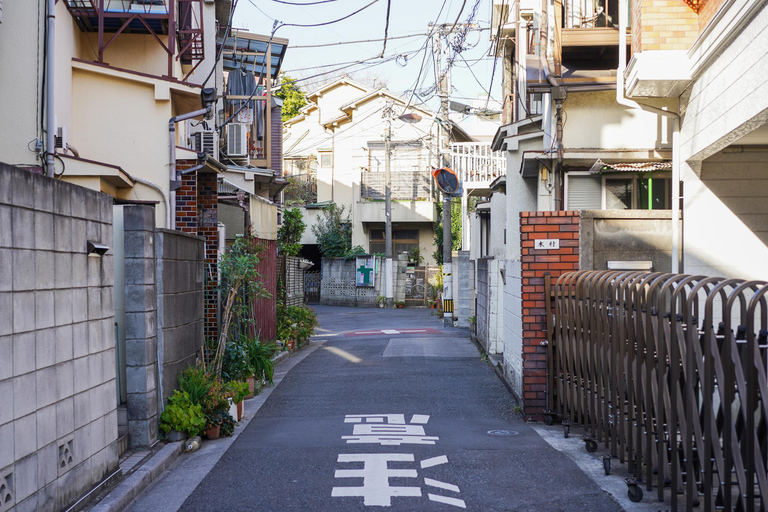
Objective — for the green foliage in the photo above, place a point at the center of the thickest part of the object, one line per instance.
(333, 232)
(196, 382)
(227, 425)
(293, 97)
(260, 357)
(415, 256)
(236, 365)
(289, 234)
(239, 390)
(455, 229)
(381, 299)
(295, 322)
(355, 252)
(216, 400)
(182, 415)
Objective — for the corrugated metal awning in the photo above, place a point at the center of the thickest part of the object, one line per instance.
(601, 167)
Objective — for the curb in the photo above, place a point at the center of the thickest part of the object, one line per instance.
(122, 495)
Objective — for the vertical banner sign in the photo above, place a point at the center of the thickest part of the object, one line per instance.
(365, 271)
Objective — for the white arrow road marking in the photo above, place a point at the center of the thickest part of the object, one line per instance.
(448, 501)
(441, 485)
(421, 419)
(434, 461)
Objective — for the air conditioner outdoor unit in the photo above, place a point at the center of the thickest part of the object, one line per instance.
(237, 139)
(205, 142)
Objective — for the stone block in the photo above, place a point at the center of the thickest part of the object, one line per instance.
(140, 352)
(141, 379)
(106, 205)
(64, 343)
(80, 206)
(6, 361)
(110, 427)
(23, 228)
(82, 377)
(7, 178)
(62, 199)
(6, 313)
(44, 309)
(140, 271)
(47, 392)
(140, 433)
(6, 268)
(43, 231)
(44, 195)
(108, 333)
(6, 234)
(23, 311)
(62, 234)
(46, 496)
(6, 445)
(95, 342)
(65, 417)
(24, 348)
(138, 218)
(79, 303)
(79, 237)
(45, 348)
(25, 477)
(140, 298)
(95, 369)
(63, 270)
(107, 301)
(24, 436)
(6, 397)
(65, 380)
(45, 265)
(108, 269)
(80, 339)
(98, 435)
(142, 406)
(47, 465)
(93, 232)
(140, 325)
(94, 303)
(80, 270)
(94, 270)
(82, 411)
(23, 270)
(109, 369)
(63, 307)
(46, 425)
(139, 244)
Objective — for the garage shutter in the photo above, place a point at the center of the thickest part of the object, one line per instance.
(584, 193)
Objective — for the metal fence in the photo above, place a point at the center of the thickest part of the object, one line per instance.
(405, 185)
(668, 372)
(312, 287)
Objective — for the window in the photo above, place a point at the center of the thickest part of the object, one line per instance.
(585, 191)
(326, 159)
(403, 240)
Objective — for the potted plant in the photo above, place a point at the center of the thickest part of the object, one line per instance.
(414, 257)
(399, 304)
(381, 301)
(239, 390)
(182, 415)
(215, 407)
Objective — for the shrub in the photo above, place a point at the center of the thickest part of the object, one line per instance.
(196, 382)
(295, 322)
(182, 415)
(260, 358)
(236, 365)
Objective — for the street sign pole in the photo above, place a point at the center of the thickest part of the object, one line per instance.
(447, 263)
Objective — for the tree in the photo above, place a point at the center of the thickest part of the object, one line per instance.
(333, 232)
(293, 97)
(289, 234)
(455, 229)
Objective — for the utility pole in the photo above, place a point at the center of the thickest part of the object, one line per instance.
(444, 90)
(388, 213)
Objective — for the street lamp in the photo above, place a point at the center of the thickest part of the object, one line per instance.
(410, 118)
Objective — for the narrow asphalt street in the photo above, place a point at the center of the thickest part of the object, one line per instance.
(385, 409)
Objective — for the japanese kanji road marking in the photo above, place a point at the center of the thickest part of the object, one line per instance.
(434, 461)
(448, 501)
(376, 490)
(441, 485)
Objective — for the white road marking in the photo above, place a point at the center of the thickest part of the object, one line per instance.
(376, 490)
(411, 331)
(344, 354)
(421, 419)
(324, 335)
(392, 419)
(434, 461)
(390, 331)
(448, 501)
(441, 485)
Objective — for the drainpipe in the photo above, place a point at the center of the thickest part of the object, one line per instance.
(675, 117)
(50, 133)
(170, 214)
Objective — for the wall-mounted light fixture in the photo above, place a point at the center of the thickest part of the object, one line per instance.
(97, 248)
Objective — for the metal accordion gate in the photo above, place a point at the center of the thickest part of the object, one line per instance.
(668, 373)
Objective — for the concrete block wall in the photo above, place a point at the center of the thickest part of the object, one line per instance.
(534, 264)
(466, 280)
(180, 284)
(58, 422)
(338, 287)
(140, 324)
(483, 301)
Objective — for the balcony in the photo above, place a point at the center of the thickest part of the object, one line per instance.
(406, 185)
(476, 164)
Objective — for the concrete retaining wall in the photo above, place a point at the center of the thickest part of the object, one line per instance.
(58, 421)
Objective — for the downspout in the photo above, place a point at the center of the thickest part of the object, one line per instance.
(170, 214)
(50, 133)
(675, 117)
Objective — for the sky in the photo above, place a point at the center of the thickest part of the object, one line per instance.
(407, 17)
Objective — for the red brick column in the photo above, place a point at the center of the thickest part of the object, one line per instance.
(208, 228)
(563, 226)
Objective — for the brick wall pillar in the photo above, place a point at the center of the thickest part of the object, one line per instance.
(535, 262)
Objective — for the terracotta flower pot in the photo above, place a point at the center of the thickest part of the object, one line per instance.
(290, 344)
(251, 387)
(239, 410)
(213, 432)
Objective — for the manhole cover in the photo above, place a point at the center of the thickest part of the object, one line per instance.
(502, 433)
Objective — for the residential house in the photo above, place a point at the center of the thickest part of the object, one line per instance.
(604, 130)
(338, 143)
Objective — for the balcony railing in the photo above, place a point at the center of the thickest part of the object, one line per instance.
(405, 185)
(475, 162)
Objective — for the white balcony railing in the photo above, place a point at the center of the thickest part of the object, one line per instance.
(475, 163)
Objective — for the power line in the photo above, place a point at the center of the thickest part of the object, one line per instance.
(495, 59)
(353, 42)
(307, 3)
(386, 27)
(329, 22)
